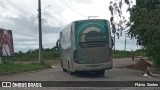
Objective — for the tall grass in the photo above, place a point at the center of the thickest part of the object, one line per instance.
(33, 55)
(8, 68)
(125, 54)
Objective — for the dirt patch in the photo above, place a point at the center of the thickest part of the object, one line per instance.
(142, 65)
(147, 68)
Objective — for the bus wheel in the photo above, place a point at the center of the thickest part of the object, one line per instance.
(69, 71)
(64, 70)
(100, 72)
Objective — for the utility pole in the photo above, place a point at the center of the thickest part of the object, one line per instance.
(114, 42)
(0, 60)
(40, 32)
(125, 43)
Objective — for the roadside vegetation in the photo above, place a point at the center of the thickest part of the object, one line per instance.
(143, 24)
(53, 54)
(9, 68)
(28, 61)
(32, 55)
(127, 54)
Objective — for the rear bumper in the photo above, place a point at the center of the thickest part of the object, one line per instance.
(92, 67)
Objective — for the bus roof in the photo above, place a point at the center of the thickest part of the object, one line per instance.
(90, 20)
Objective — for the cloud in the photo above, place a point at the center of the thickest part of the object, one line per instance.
(83, 1)
(29, 26)
(130, 43)
(2, 5)
(52, 19)
(25, 26)
(49, 40)
(25, 33)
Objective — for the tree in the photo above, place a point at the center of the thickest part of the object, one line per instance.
(144, 24)
(119, 21)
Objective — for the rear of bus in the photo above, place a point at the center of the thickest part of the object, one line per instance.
(93, 47)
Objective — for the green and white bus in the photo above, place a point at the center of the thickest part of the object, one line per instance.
(86, 45)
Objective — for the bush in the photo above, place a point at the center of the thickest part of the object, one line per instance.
(34, 54)
(121, 54)
(125, 54)
(8, 68)
(153, 51)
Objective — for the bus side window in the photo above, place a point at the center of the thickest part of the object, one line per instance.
(63, 37)
(71, 34)
(67, 33)
(60, 34)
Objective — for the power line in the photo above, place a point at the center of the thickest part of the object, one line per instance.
(78, 10)
(48, 21)
(20, 9)
(72, 5)
(27, 12)
(24, 11)
(74, 9)
(65, 4)
(68, 6)
(46, 7)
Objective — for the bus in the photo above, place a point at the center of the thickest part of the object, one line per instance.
(86, 45)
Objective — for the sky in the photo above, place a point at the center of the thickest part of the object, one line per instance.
(20, 16)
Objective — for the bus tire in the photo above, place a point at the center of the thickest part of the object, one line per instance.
(69, 70)
(64, 70)
(100, 72)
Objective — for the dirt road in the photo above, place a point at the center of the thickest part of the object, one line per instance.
(118, 73)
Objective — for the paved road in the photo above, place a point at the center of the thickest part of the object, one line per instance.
(118, 73)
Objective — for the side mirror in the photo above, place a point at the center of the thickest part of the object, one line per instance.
(58, 45)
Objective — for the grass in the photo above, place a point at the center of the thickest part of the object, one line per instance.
(9, 68)
(126, 54)
(121, 54)
(49, 62)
